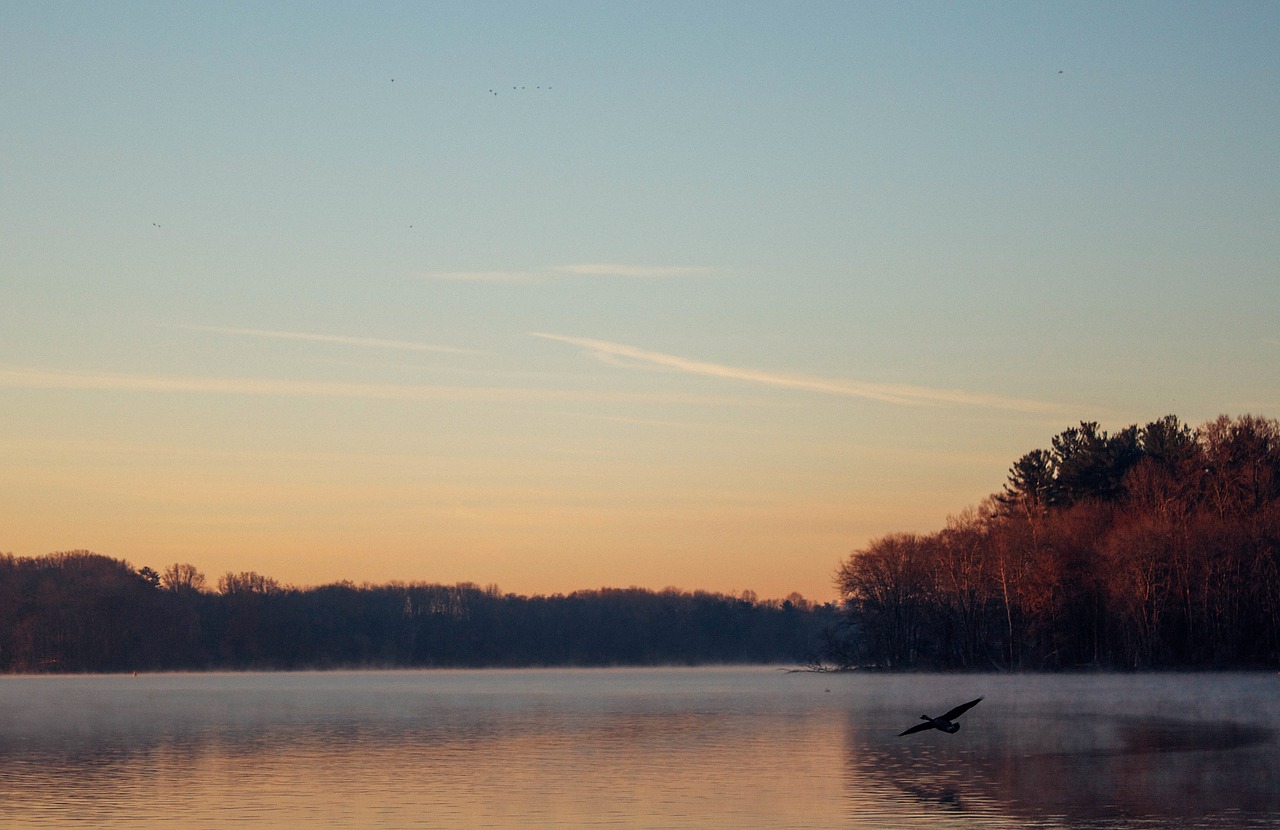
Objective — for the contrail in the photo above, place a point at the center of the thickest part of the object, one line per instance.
(901, 394)
(343, 340)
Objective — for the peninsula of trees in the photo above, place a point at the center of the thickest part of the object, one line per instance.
(1155, 547)
(82, 612)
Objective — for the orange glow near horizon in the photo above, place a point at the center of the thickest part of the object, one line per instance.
(730, 296)
(308, 519)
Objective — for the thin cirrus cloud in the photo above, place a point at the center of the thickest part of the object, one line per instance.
(338, 339)
(18, 377)
(586, 269)
(902, 394)
(639, 271)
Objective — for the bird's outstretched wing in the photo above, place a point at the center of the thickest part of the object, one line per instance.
(960, 710)
(919, 727)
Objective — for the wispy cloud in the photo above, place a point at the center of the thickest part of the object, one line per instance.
(19, 377)
(586, 269)
(485, 276)
(605, 269)
(342, 340)
(902, 394)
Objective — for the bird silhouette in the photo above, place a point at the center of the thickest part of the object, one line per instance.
(944, 723)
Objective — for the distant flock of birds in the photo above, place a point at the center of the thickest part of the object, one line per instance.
(518, 89)
(540, 88)
(491, 92)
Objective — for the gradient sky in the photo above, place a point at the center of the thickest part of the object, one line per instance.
(568, 295)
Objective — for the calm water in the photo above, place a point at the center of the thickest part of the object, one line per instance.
(718, 748)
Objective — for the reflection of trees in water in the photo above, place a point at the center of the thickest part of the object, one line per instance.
(1077, 771)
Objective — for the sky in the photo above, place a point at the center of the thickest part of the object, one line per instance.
(562, 295)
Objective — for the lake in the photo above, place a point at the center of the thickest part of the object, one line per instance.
(662, 748)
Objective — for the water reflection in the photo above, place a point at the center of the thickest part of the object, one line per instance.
(1042, 758)
(669, 749)
(722, 748)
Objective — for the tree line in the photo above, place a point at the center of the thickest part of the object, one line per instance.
(1156, 546)
(83, 612)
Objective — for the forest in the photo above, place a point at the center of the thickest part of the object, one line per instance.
(83, 612)
(1154, 547)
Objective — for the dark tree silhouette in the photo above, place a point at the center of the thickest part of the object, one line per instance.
(83, 612)
(1156, 546)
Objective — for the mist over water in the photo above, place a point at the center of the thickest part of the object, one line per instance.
(1075, 751)
(637, 748)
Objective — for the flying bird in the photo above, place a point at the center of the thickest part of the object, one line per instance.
(945, 723)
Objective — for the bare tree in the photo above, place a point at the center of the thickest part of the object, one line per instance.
(247, 582)
(182, 578)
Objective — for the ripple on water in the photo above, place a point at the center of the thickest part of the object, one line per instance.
(664, 748)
